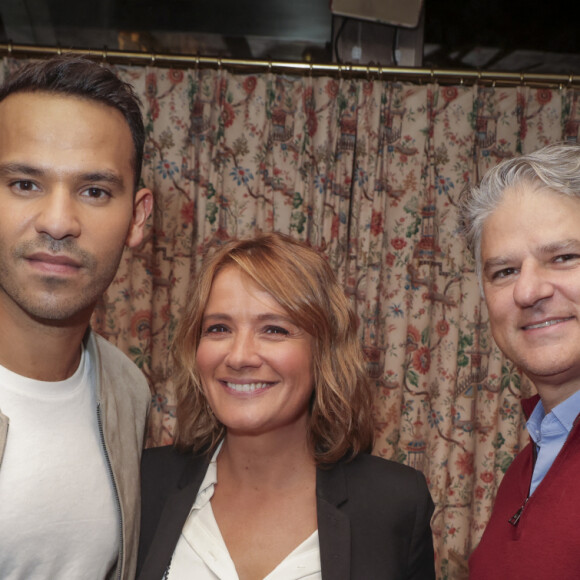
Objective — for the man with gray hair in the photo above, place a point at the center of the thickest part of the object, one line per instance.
(523, 225)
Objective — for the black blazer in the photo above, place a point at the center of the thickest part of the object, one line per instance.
(373, 516)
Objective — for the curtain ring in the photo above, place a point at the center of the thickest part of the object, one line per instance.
(153, 58)
(522, 78)
(9, 47)
(270, 66)
(219, 63)
(196, 62)
(59, 50)
(570, 80)
(105, 54)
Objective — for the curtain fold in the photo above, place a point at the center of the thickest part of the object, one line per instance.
(369, 173)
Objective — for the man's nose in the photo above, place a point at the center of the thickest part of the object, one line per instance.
(58, 214)
(532, 285)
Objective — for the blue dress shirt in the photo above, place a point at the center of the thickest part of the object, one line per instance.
(549, 433)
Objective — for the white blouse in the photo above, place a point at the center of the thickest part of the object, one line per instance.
(201, 552)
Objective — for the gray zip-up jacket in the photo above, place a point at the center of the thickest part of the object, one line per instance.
(123, 404)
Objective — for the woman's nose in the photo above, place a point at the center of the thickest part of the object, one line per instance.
(244, 351)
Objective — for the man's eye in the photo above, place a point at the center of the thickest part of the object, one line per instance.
(95, 193)
(566, 257)
(24, 186)
(503, 273)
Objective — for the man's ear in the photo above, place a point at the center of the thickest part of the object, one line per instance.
(142, 207)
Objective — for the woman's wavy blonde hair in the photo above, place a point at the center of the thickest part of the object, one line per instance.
(301, 281)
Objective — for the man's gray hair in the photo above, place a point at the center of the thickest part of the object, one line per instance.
(556, 167)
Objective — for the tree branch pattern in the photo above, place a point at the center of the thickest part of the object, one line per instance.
(369, 172)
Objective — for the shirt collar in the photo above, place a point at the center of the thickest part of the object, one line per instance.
(566, 413)
(568, 410)
(207, 486)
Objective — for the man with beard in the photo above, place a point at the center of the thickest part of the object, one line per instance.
(72, 407)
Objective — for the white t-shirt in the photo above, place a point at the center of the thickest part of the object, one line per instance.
(58, 514)
(201, 552)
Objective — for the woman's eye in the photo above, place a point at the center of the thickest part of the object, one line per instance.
(216, 329)
(276, 330)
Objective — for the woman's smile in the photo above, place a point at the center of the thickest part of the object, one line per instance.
(255, 363)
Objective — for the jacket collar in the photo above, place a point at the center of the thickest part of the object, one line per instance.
(175, 512)
(333, 524)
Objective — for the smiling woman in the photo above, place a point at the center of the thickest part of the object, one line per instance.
(271, 477)
(299, 286)
(255, 364)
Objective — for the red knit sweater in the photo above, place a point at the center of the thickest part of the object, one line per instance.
(545, 542)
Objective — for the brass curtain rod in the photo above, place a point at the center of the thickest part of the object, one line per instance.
(448, 76)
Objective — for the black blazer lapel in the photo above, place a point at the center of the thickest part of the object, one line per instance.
(175, 512)
(333, 524)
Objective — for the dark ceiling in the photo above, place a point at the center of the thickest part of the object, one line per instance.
(506, 24)
(531, 33)
(484, 34)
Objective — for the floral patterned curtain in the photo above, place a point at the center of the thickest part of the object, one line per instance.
(369, 172)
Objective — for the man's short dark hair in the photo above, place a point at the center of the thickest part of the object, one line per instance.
(74, 75)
